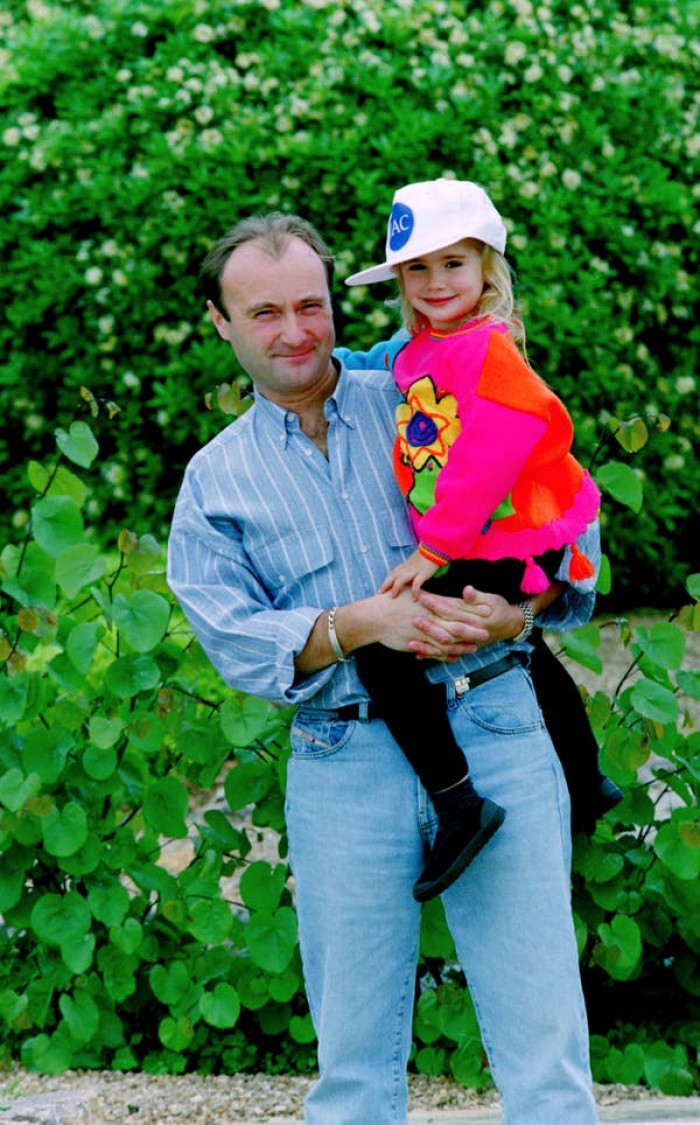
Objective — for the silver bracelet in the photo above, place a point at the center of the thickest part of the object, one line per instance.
(529, 625)
(333, 637)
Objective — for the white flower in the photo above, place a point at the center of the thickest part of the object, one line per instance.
(109, 248)
(131, 380)
(175, 73)
(571, 179)
(675, 462)
(533, 73)
(139, 29)
(106, 325)
(12, 136)
(685, 384)
(119, 278)
(514, 52)
(123, 75)
(203, 114)
(93, 276)
(203, 33)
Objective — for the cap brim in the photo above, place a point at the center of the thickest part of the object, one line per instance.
(384, 272)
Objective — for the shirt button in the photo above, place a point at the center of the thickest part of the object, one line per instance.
(344, 496)
(281, 577)
(364, 549)
(308, 452)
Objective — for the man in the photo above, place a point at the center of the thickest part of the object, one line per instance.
(286, 524)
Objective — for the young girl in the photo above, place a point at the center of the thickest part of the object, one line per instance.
(483, 458)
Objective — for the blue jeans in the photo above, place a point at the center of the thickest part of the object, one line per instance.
(359, 825)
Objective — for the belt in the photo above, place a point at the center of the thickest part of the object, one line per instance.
(354, 711)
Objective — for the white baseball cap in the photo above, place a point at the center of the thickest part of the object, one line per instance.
(432, 214)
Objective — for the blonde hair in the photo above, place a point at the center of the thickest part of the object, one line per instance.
(497, 301)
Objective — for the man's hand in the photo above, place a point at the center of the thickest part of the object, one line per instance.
(413, 572)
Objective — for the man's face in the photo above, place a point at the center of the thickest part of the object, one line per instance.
(281, 325)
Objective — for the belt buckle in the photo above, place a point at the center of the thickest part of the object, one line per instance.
(462, 685)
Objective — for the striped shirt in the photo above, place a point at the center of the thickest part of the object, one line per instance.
(268, 533)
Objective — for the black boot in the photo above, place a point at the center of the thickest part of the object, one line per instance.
(466, 821)
(588, 806)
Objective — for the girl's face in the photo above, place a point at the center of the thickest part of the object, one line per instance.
(445, 286)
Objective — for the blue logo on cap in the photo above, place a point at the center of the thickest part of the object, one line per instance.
(400, 226)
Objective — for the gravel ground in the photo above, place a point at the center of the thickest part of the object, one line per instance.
(108, 1096)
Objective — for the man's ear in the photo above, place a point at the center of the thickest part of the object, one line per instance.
(220, 322)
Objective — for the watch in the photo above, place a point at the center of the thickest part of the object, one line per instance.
(529, 625)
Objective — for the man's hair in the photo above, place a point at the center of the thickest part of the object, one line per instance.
(273, 232)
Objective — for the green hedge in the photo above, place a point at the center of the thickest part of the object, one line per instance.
(134, 133)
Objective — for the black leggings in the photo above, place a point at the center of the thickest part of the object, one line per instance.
(414, 708)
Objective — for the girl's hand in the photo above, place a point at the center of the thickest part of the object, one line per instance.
(413, 572)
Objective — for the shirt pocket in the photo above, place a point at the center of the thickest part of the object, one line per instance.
(396, 530)
(290, 563)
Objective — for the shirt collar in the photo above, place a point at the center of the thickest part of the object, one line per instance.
(283, 422)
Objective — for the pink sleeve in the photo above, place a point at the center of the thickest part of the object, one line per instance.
(483, 465)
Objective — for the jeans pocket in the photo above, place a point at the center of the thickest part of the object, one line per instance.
(314, 736)
(507, 704)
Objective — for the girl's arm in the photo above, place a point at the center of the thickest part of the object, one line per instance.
(380, 357)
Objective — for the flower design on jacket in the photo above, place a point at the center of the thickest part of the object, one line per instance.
(427, 424)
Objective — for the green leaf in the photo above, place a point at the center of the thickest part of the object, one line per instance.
(46, 751)
(604, 580)
(582, 646)
(64, 482)
(165, 807)
(79, 566)
(664, 643)
(654, 701)
(48, 1054)
(253, 990)
(677, 843)
(210, 921)
(128, 937)
(222, 1007)
(171, 983)
(57, 524)
(16, 789)
(109, 903)
(98, 763)
(82, 643)
(632, 435)
(81, 1014)
(57, 918)
(626, 1067)
(627, 748)
(118, 971)
(129, 675)
(246, 783)
(301, 1029)
(435, 937)
(666, 1069)
(689, 682)
(176, 1035)
(104, 732)
(64, 830)
(142, 619)
(622, 483)
(78, 444)
(692, 585)
(11, 886)
(284, 986)
(260, 887)
(621, 947)
(244, 718)
(272, 938)
(13, 697)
